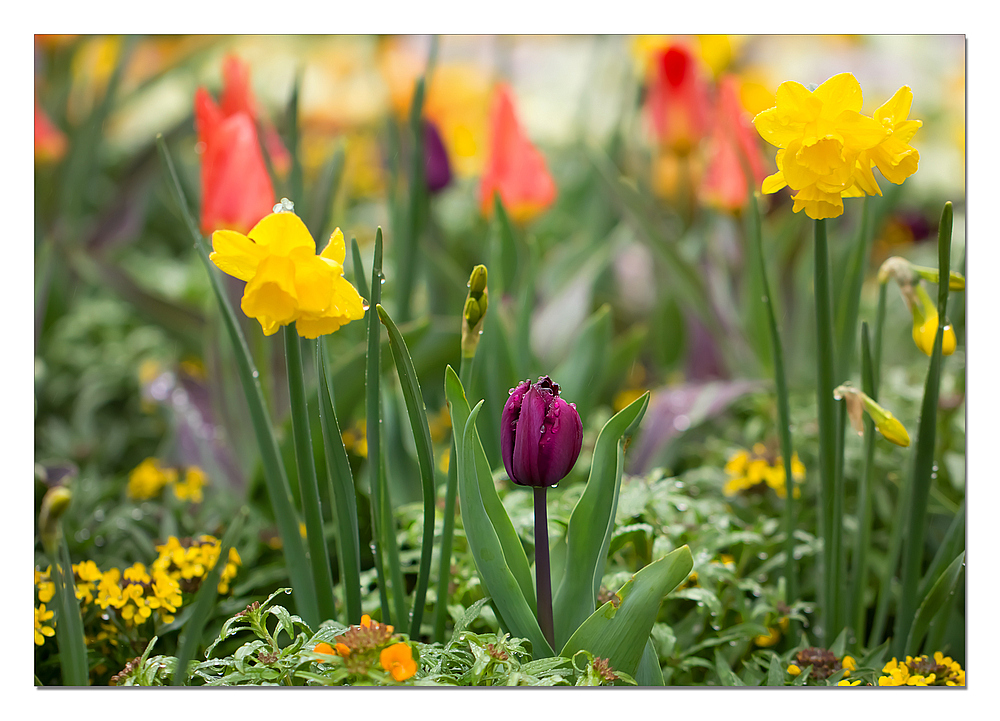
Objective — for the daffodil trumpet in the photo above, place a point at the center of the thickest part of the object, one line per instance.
(858, 402)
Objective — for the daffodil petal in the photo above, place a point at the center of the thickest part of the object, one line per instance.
(235, 254)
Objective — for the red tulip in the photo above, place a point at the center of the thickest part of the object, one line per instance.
(50, 143)
(237, 96)
(677, 103)
(514, 167)
(236, 187)
(724, 184)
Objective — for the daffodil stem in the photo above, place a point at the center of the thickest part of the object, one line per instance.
(781, 388)
(308, 485)
(923, 462)
(859, 559)
(448, 528)
(826, 416)
(543, 576)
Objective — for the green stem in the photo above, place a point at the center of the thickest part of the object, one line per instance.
(308, 485)
(543, 580)
(781, 386)
(859, 558)
(826, 415)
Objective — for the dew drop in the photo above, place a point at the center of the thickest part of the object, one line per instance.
(256, 374)
(732, 643)
(762, 556)
(364, 305)
(137, 514)
(99, 515)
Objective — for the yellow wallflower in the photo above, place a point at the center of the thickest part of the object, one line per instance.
(41, 629)
(148, 478)
(286, 281)
(87, 576)
(46, 588)
(845, 682)
(750, 469)
(827, 147)
(923, 671)
(190, 488)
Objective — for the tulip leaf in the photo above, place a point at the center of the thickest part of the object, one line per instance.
(514, 554)
(619, 630)
(589, 532)
(417, 413)
(508, 596)
(649, 672)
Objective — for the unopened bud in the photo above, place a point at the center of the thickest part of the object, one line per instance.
(477, 281)
(476, 303)
(54, 505)
(956, 281)
(925, 325)
(886, 423)
(472, 313)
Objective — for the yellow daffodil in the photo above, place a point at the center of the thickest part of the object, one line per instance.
(287, 282)
(822, 135)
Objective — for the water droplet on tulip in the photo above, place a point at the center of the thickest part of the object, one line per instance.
(199, 148)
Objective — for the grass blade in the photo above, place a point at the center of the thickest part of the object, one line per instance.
(204, 601)
(276, 480)
(923, 460)
(341, 482)
(936, 600)
(69, 626)
(417, 412)
(308, 485)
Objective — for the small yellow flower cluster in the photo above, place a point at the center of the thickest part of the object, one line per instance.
(148, 478)
(757, 468)
(187, 561)
(356, 646)
(135, 594)
(824, 664)
(41, 629)
(773, 634)
(45, 589)
(923, 671)
(828, 148)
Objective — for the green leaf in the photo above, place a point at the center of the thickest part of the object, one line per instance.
(275, 478)
(507, 595)
(725, 673)
(775, 673)
(204, 601)
(649, 672)
(69, 625)
(340, 481)
(619, 630)
(936, 600)
(417, 412)
(591, 524)
(513, 551)
(583, 369)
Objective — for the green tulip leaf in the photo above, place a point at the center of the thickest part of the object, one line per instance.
(508, 596)
(589, 533)
(619, 630)
(513, 551)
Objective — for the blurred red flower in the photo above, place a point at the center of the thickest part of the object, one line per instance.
(236, 187)
(50, 143)
(677, 103)
(724, 184)
(514, 167)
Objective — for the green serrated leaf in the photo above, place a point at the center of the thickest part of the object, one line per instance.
(619, 630)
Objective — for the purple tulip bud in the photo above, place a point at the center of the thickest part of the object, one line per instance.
(540, 434)
(437, 169)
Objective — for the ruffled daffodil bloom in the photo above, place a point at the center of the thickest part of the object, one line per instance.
(827, 147)
(287, 282)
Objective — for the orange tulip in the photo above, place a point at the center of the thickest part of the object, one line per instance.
(677, 103)
(50, 143)
(236, 187)
(514, 167)
(724, 184)
(238, 97)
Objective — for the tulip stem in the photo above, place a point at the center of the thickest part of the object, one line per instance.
(543, 580)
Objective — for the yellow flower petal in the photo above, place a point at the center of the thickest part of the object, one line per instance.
(335, 249)
(235, 254)
(839, 93)
(281, 233)
(270, 296)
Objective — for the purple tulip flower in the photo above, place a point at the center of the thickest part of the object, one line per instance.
(541, 434)
(437, 169)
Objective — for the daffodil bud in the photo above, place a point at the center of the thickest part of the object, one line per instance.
(540, 434)
(54, 504)
(925, 325)
(956, 281)
(476, 303)
(886, 423)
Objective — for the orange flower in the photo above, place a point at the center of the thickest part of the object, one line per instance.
(343, 649)
(236, 188)
(514, 167)
(50, 143)
(324, 648)
(724, 184)
(677, 104)
(397, 659)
